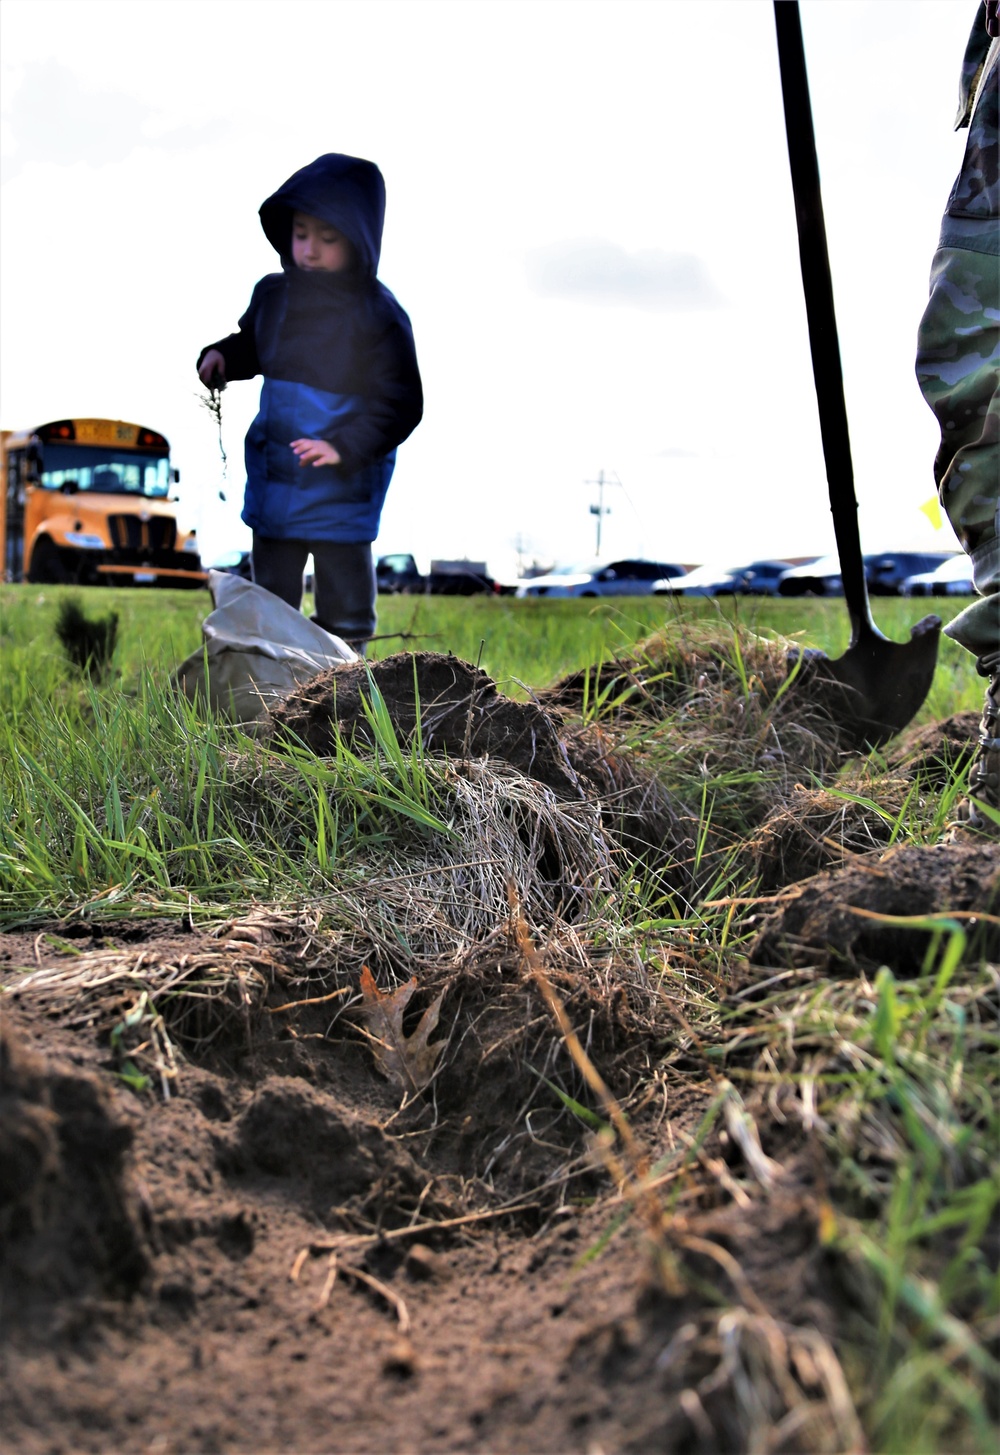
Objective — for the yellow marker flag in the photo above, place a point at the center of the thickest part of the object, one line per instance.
(932, 509)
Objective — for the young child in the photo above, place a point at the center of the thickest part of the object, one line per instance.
(341, 390)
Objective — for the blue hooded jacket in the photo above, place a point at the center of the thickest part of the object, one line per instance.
(336, 352)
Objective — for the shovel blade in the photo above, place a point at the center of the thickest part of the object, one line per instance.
(876, 687)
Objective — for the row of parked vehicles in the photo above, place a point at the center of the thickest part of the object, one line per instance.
(88, 500)
(888, 573)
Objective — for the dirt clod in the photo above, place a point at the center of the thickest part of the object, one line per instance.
(851, 917)
(454, 709)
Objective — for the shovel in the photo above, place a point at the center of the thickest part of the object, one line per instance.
(878, 685)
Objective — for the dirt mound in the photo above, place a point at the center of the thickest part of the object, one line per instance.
(454, 709)
(726, 709)
(851, 917)
(936, 751)
(864, 810)
(819, 829)
(321, 1153)
(735, 685)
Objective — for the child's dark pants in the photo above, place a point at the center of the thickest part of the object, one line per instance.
(344, 581)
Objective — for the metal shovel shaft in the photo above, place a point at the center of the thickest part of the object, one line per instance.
(876, 687)
(818, 287)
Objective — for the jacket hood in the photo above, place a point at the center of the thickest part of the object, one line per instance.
(346, 192)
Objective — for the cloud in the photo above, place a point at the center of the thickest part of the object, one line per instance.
(54, 119)
(597, 271)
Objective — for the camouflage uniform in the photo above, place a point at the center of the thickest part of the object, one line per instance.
(958, 345)
(958, 369)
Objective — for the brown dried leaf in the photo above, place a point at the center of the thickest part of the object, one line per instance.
(409, 1061)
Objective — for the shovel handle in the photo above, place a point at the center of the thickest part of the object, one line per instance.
(818, 287)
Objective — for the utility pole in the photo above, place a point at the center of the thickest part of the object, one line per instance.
(600, 509)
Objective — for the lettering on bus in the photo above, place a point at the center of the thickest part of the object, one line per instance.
(105, 432)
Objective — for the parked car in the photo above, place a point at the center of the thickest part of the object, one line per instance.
(814, 578)
(952, 578)
(759, 578)
(234, 563)
(600, 578)
(887, 571)
(399, 575)
(708, 580)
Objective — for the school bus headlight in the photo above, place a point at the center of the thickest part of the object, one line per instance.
(84, 541)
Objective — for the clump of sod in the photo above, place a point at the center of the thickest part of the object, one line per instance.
(711, 712)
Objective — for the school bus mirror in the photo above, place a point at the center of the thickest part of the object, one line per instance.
(175, 475)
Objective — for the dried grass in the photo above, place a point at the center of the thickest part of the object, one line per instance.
(735, 694)
(769, 1386)
(716, 718)
(817, 829)
(220, 982)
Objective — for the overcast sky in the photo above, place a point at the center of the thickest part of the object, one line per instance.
(589, 221)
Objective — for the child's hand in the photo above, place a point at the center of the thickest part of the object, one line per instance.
(212, 370)
(315, 452)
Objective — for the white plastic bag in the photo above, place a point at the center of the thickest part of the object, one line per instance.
(257, 649)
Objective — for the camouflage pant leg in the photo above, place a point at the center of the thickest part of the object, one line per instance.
(958, 368)
(958, 346)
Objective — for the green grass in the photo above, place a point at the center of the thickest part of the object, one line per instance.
(532, 642)
(902, 1079)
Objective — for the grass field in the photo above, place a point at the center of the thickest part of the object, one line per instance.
(530, 641)
(119, 799)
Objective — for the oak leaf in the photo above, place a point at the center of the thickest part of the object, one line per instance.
(409, 1061)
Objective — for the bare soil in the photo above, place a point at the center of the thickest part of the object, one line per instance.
(263, 1245)
(148, 1296)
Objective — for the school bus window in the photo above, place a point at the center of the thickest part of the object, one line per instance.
(73, 466)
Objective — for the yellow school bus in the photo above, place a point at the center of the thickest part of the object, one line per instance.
(88, 501)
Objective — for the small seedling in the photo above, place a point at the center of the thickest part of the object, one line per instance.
(212, 401)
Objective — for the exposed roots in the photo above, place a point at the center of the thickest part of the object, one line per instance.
(750, 1382)
(170, 989)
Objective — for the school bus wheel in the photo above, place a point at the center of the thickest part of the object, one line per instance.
(47, 567)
